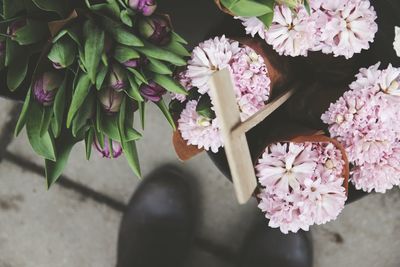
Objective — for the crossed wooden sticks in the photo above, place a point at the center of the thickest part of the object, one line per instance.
(234, 131)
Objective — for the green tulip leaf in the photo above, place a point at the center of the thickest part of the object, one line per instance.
(17, 70)
(131, 156)
(121, 121)
(47, 115)
(178, 38)
(142, 113)
(42, 145)
(177, 48)
(110, 127)
(161, 54)
(83, 115)
(248, 8)
(72, 32)
(169, 84)
(132, 134)
(121, 34)
(124, 53)
(139, 76)
(94, 46)
(59, 109)
(81, 91)
(133, 90)
(125, 37)
(158, 66)
(61, 7)
(12, 8)
(89, 142)
(33, 32)
(125, 18)
(54, 169)
(101, 76)
(63, 52)
(109, 8)
(23, 115)
(267, 19)
(164, 109)
(99, 124)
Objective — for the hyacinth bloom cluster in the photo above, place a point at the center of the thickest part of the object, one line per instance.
(301, 184)
(365, 120)
(252, 87)
(341, 28)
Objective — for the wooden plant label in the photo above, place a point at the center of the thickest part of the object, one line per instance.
(233, 131)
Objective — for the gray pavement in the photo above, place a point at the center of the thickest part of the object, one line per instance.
(76, 222)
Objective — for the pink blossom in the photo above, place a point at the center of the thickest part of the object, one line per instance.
(285, 166)
(198, 130)
(338, 27)
(208, 57)
(367, 78)
(380, 176)
(302, 184)
(351, 27)
(250, 76)
(325, 199)
(253, 26)
(365, 121)
(291, 34)
(389, 81)
(283, 211)
(185, 82)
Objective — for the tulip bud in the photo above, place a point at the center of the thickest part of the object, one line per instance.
(156, 29)
(62, 54)
(15, 26)
(114, 147)
(117, 79)
(146, 7)
(110, 99)
(152, 91)
(46, 86)
(135, 63)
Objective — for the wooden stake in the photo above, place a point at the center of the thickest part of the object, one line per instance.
(236, 146)
(234, 131)
(254, 120)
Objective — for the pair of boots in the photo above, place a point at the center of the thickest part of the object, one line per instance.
(158, 229)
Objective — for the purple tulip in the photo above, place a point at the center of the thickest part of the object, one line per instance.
(135, 63)
(106, 151)
(15, 26)
(146, 7)
(46, 86)
(156, 29)
(152, 91)
(117, 79)
(110, 100)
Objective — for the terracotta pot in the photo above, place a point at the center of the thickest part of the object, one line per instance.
(280, 74)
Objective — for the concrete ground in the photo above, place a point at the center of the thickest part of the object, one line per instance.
(76, 222)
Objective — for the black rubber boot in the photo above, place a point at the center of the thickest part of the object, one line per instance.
(267, 247)
(158, 226)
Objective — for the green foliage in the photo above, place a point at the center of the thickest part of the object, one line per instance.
(204, 107)
(83, 50)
